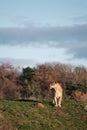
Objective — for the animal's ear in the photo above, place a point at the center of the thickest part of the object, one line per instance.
(53, 83)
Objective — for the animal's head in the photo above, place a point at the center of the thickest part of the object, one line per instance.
(52, 85)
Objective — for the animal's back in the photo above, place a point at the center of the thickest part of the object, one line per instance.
(58, 88)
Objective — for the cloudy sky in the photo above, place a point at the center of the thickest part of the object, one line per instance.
(40, 31)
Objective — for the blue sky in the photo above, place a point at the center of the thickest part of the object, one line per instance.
(33, 32)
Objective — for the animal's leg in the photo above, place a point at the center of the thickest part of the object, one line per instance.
(53, 101)
(56, 104)
(59, 102)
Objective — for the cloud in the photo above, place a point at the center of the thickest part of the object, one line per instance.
(73, 38)
(41, 34)
(18, 62)
(80, 19)
(78, 53)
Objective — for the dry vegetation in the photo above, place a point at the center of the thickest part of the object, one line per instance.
(34, 82)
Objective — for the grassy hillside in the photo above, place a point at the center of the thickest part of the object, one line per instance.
(27, 115)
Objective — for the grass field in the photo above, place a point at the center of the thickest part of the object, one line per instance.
(27, 115)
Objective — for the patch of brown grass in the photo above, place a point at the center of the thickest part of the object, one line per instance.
(4, 125)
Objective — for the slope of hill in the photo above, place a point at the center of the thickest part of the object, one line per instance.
(28, 115)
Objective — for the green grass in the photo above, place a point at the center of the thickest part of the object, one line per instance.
(25, 115)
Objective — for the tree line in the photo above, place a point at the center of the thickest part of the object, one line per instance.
(34, 82)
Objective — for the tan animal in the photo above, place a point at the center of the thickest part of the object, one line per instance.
(58, 93)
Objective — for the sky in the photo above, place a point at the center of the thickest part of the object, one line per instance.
(34, 32)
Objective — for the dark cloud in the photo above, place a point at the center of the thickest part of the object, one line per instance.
(78, 53)
(73, 38)
(36, 34)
